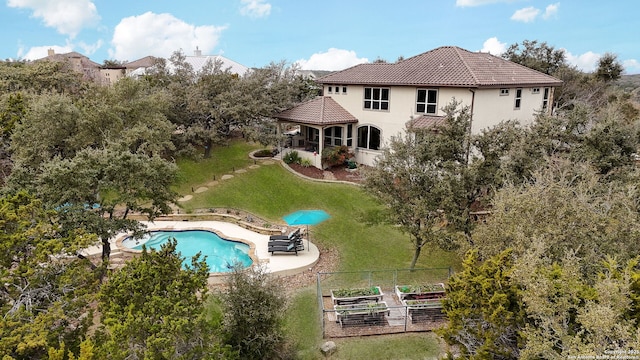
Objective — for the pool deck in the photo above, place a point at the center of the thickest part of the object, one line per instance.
(282, 264)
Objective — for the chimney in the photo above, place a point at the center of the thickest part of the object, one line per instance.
(197, 52)
(51, 52)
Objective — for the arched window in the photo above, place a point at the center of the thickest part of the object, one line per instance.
(369, 137)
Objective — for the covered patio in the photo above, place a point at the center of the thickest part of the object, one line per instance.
(315, 125)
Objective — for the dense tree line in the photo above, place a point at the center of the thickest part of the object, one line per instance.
(77, 159)
(553, 270)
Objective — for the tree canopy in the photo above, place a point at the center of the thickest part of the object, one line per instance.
(45, 294)
(536, 55)
(153, 308)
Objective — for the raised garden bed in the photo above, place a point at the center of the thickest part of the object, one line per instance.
(362, 314)
(426, 291)
(423, 310)
(356, 295)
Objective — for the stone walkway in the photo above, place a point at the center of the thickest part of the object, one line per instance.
(224, 177)
(328, 175)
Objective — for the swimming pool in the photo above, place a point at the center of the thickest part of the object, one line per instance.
(220, 253)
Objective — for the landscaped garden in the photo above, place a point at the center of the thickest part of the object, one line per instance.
(270, 191)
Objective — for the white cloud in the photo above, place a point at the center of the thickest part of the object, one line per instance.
(90, 49)
(527, 14)
(464, 3)
(494, 46)
(255, 8)
(333, 59)
(631, 66)
(586, 62)
(160, 35)
(68, 17)
(551, 11)
(38, 52)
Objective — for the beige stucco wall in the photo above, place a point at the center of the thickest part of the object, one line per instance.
(402, 106)
(111, 76)
(489, 109)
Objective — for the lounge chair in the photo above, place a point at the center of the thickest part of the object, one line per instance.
(292, 247)
(292, 235)
(297, 241)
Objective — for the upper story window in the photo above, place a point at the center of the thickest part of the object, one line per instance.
(504, 92)
(376, 98)
(331, 89)
(518, 101)
(545, 98)
(535, 90)
(427, 101)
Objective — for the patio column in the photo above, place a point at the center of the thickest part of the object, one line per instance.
(320, 146)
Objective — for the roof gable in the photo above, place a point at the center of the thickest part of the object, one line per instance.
(445, 66)
(319, 111)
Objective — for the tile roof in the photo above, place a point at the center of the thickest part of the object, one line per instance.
(426, 122)
(322, 110)
(146, 61)
(444, 66)
(85, 61)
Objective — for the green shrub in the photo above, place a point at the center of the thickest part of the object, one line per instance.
(253, 323)
(264, 153)
(305, 162)
(291, 157)
(335, 156)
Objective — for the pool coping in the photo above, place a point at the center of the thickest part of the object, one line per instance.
(278, 264)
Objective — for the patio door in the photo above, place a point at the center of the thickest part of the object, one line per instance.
(313, 139)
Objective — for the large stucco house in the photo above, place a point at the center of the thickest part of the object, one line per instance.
(364, 105)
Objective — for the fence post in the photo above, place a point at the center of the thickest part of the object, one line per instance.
(320, 302)
(395, 277)
(406, 317)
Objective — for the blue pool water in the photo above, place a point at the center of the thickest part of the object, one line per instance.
(220, 253)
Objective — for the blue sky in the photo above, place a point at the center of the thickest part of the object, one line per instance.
(320, 35)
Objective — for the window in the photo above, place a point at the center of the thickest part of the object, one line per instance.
(376, 98)
(344, 90)
(545, 99)
(504, 92)
(350, 135)
(333, 136)
(330, 89)
(535, 90)
(312, 138)
(369, 137)
(518, 99)
(337, 89)
(427, 101)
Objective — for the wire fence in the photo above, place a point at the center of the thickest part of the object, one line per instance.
(381, 301)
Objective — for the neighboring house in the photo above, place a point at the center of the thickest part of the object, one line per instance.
(197, 61)
(366, 104)
(109, 75)
(78, 62)
(313, 74)
(138, 68)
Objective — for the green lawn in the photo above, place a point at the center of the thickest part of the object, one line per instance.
(270, 192)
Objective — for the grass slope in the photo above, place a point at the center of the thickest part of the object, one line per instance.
(270, 192)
